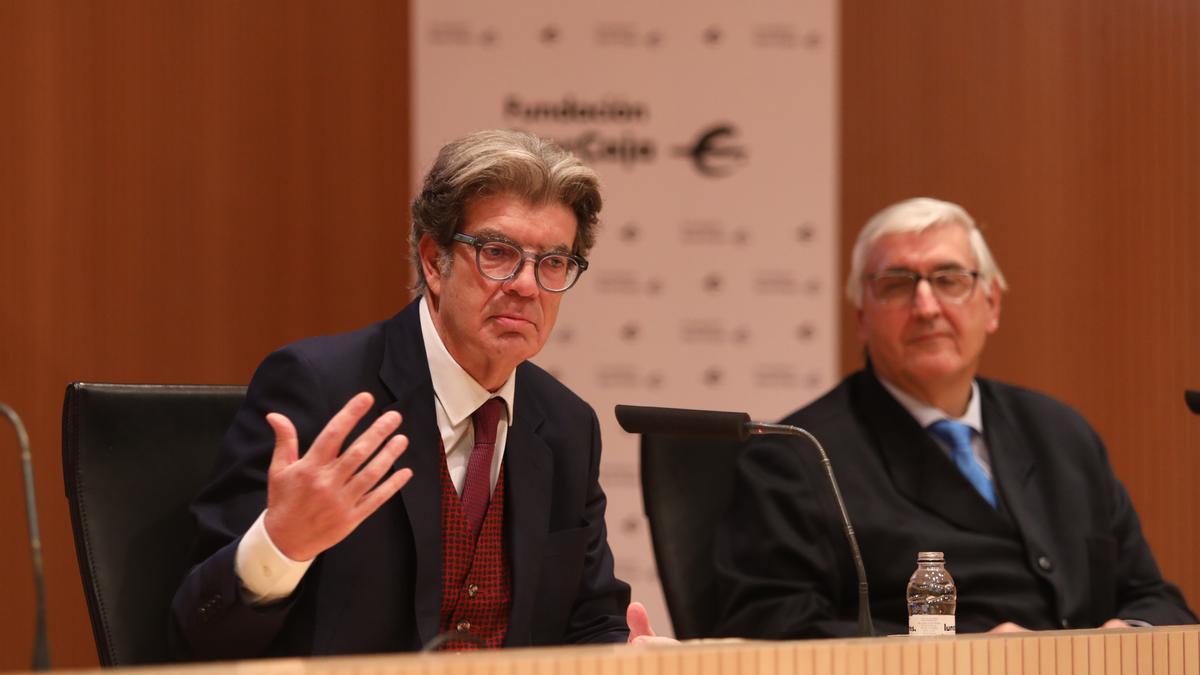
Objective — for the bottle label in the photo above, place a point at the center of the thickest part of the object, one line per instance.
(931, 624)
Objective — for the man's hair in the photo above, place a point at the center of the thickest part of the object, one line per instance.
(918, 215)
(494, 162)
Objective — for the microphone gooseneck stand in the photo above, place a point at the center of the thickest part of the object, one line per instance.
(865, 626)
(738, 426)
(41, 648)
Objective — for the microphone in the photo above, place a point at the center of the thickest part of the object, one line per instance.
(738, 426)
(1193, 400)
(41, 648)
(638, 419)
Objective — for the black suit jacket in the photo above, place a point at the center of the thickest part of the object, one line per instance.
(379, 590)
(1076, 555)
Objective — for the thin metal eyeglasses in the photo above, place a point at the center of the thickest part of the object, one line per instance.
(895, 287)
(502, 261)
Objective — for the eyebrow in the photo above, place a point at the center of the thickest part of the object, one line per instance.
(489, 234)
(943, 267)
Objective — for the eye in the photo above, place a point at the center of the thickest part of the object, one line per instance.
(893, 285)
(555, 263)
(495, 251)
(951, 281)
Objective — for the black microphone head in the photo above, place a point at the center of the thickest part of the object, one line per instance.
(638, 419)
(1193, 400)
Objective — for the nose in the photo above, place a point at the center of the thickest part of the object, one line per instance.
(925, 304)
(524, 283)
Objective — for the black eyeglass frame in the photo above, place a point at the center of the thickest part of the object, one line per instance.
(537, 259)
(917, 278)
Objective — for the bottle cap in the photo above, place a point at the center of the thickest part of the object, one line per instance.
(930, 556)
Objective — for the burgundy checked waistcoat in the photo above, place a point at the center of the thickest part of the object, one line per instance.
(476, 576)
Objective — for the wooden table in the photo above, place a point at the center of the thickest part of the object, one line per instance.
(1157, 651)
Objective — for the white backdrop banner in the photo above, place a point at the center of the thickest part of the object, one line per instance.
(713, 127)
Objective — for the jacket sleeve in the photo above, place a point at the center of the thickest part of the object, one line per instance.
(1141, 591)
(598, 614)
(210, 618)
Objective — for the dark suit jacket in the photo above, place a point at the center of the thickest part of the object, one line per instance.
(379, 590)
(1076, 555)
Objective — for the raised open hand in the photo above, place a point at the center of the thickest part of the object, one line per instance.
(315, 501)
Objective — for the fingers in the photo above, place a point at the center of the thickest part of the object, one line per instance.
(364, 480)
(653, 640)
(365, 444)
(385, 491)
(638, 621)
(325, 448)
(287, 448)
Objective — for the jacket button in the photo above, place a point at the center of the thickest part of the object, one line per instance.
(1044, 563)
(463, 626)
(472, 589)
(1065, 623)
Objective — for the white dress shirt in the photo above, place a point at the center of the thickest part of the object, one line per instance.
(267, 575)
(926, 414)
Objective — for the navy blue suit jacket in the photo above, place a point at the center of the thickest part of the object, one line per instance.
(1065, 550)
(379, 590)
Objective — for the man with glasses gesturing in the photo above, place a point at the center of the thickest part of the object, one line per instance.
(417, 483)
(1013, 486)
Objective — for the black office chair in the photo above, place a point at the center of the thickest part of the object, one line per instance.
(687, 484)
(134, 457)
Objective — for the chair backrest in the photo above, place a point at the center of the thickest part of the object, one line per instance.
(134, 457)
(687, 484)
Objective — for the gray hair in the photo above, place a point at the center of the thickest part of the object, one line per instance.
(918, 215)
(498, 161)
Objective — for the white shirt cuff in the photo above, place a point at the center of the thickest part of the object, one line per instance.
(267, 575)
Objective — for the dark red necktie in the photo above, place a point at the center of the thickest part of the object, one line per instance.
(477, 489)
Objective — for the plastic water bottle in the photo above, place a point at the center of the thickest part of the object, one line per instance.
(932, 596)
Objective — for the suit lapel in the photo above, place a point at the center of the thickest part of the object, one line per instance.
(529, 474)
(919, 467)
(405, 372)
(1014, 467)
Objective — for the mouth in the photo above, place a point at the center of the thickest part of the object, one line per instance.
(513, 322)
(930, 337)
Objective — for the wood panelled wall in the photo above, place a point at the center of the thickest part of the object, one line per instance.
(185, 185)
(1071, 130)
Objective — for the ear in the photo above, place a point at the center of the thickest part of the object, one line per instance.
(862, 326)
(430, 255)
(993, 303)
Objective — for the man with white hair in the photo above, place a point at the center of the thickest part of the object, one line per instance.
(1013, 486)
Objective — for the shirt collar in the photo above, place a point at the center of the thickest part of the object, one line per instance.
(926, 414)
(458, 392)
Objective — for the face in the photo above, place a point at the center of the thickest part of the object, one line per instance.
(489, 327)
(927, 344)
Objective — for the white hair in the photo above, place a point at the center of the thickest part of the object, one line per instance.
(918, 215)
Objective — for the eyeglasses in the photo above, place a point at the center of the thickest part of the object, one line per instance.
(900, 286)
(501, 261)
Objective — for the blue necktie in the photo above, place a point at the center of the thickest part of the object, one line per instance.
(958, 436)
